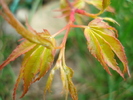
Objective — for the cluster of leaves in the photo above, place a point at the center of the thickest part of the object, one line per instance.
(39, 48)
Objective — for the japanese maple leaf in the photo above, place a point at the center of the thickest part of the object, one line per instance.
(101, 4)
(38, 50)
(103, 44)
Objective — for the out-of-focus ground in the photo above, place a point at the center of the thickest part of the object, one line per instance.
(91, 80)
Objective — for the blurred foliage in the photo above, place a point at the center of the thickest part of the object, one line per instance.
(92, 82)
(7, 77)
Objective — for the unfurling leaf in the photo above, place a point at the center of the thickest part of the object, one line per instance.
(103, 45)
(50, 79)
(49, 82)
(66, 75)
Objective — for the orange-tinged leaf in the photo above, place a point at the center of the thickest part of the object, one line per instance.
(21, 71)
(31, 67)
(103, 46)
(108, 54)
(21, 49)
(16, 84)
(99, 24)
(72, 90)
(36, 63)
(94, 48)
(118, 49)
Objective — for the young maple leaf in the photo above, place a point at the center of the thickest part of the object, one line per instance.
(66, 77)
(36, 62)
(39, 50)
(103, 44)
(101, 4)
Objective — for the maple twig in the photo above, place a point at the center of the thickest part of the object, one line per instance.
(59, 31)
(65, 38)
(66, 35)
(79, 26)
(63, 55)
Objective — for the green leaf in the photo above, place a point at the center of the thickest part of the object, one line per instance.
(118, 49)
(105, 4)
(46, 58)
(35, 65)
(94, 48)
(101, 5)
(31, 66)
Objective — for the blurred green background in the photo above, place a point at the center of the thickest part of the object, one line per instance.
(91, 80)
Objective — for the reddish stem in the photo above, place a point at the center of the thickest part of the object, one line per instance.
(59, 31)
(65, 37)
(72, 16)
(79, 26)
(82, 12)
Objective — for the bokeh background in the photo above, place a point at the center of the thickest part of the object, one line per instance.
(91, 80)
